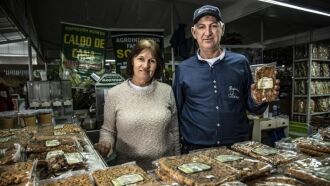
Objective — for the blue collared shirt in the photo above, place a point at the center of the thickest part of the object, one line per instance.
(212, 100)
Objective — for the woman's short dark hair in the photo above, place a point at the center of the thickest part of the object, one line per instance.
(155, 51)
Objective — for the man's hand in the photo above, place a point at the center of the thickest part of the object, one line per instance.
(104, 148)
(254, 88)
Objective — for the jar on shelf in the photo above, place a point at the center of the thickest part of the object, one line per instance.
(45, 116)
(28, 118)
(8, 120)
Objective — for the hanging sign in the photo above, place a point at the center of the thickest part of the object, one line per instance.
(83, 53)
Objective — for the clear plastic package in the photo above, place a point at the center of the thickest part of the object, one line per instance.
(265, 153)
(265, 77)
(124, 174)
(195, 169)
(247, 167)
(313, 171)
(76, 178)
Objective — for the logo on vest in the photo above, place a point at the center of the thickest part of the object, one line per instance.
(233, 92)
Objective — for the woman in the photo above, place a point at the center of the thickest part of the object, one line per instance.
(140, 117)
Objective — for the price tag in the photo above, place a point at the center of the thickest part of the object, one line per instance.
(52, 143)
(190, 168)
(228, 158)
(73, 158)
(54, 153)
(58, 127)
(127, 179)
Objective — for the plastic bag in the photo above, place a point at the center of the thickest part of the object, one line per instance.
(265, 78)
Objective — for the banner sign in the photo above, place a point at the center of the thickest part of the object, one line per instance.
(83, 53)
(124, 41)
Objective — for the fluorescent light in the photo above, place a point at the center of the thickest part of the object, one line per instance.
(296, 7)
(110, 60)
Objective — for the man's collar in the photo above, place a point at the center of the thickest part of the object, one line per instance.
(220, 57)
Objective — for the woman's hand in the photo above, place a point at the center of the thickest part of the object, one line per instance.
(104, 148)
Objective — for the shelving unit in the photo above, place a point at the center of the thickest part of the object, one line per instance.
(310, 82)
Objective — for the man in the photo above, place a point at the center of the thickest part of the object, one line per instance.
(214, 88)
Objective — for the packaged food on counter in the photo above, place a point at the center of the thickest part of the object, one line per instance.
(60, 162)
(76, 178)
(194, 169)
(247, 167)
(165, 178)
(287, 144)
(313, 171)
(265, 153)
(59, 129)
(313, 146)
(67, 144)
(124, 174)
(325, 132)
(265, 78)
(16, 174)
(11, 155)
(275, 180)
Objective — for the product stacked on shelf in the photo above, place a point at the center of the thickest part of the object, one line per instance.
(311, 82)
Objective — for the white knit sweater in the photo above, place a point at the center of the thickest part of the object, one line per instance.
(141, 125)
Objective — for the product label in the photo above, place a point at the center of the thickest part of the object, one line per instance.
(54, 153)
(127, 179)
(264, 151)
(265, 83)
(288, 155)
(228, 158)
(73, 158)
(59, 133)
(58, 127)
(323, 172)
(2, 140)
(52, 143)
(189, 168)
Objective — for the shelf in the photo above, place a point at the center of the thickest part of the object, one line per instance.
(319, 113)
(324, 60)
(300, 60)
(312, 114)
(313, 59)
(312, 78)
(322, 95)
(320, 78)
(312, 96)
(300, 78)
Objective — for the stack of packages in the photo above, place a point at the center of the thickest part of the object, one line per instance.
(16, 174)
(313, 146)
(265, 153)
(36, 153)
(325, 133)
(80, 178)
(313, 171)
(195, 169)
(120, 175)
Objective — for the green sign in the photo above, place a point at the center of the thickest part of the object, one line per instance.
(124, 41)
(83, 53)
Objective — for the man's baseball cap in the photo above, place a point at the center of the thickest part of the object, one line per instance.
(206, 10)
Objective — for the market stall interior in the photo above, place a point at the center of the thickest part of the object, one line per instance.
(65, 55)
(58, 59)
